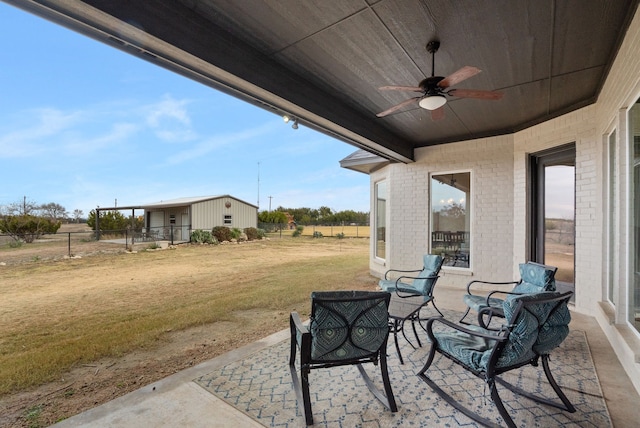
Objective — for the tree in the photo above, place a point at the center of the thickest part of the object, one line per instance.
(24, 207)
(455, 210)
(77, 215)
(54, 211)
(27, 228)
(112, 220)
(276, 217)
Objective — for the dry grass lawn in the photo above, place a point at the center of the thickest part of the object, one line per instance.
(78, 332)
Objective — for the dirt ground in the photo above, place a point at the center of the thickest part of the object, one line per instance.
(89, 385)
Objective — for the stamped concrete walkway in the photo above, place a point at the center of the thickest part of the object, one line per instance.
(176, 401)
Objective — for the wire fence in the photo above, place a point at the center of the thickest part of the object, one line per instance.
(80, 241)
(351, 230)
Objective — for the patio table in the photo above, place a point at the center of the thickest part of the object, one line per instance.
(401, 310)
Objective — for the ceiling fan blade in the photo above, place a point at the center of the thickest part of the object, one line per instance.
(398, 106)
(463, 74)
(474, 93)
(437, 114)
(401, 88)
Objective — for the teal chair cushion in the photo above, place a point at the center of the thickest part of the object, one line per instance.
(343, 330)
(537, 331)
(469, 350)
(423, 283)
(535, 278)
(480, 302)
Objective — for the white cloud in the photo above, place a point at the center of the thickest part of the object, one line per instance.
(219, 141)
(170, 120)
(31, 127)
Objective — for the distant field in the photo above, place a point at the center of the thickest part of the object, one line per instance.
(329, 231)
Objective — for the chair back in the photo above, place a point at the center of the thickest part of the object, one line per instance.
(539, 323)
(536, 278)
(347, 325)
(427, 278)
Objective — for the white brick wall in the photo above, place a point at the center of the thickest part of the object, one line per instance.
(491, 164)
(499, 206)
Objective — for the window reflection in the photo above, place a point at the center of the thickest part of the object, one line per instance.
(450, 218)
(381, 219)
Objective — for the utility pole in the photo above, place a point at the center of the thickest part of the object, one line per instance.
(258, 204)
(270, 197)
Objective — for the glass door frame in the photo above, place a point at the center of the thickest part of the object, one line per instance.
(537, 163)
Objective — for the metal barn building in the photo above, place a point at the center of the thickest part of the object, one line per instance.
(178, 217)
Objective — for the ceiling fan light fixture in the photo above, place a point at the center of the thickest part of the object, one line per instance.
(432, 102)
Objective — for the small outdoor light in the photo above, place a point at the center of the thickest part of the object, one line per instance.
(288, 119)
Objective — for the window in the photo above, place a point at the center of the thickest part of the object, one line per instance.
(634, 239)
(381, 219)
(612, 290)
(227, 219)
(451, 218)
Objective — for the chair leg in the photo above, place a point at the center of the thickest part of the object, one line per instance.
(481, 321)
(555, 386)
(395, 340)
(292, 354)
(387, 400)
(448, 398)
(433, 302)
(432, 354)
(387, 383)
(498, 402)
(306, 397)
(415, 333)
(302, 391)
(464, 316)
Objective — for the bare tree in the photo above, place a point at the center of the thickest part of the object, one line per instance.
(77, 215)
(54, 211)
(24, 207)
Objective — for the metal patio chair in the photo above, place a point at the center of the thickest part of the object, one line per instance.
(535, 324)
(411, 284)
(534, 278)
(345, 328)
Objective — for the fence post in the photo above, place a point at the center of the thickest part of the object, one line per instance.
(69, 243)
(171, 234)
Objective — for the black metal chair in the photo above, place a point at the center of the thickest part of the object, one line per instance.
(421, 282)
(411, 284)
(346, 328)
(535, 324)
(534, 278)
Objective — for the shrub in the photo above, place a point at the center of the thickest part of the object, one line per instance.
(340, 235)
(16, 244)
(298, 231)
(202, 237)
(27, 228)
(236, 233)
(252, 233)
(261, 233)
(317, 234)
(222, 233)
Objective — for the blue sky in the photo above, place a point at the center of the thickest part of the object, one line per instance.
(83, 125)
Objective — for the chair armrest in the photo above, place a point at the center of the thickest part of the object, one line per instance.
(296, 323)
(502, 292)
(490, 334)
(400, 271)
(513, 283)
(410, 293)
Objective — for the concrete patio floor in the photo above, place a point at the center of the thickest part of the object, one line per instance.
(177, 401)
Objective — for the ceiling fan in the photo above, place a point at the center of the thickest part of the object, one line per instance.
(435, 90)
